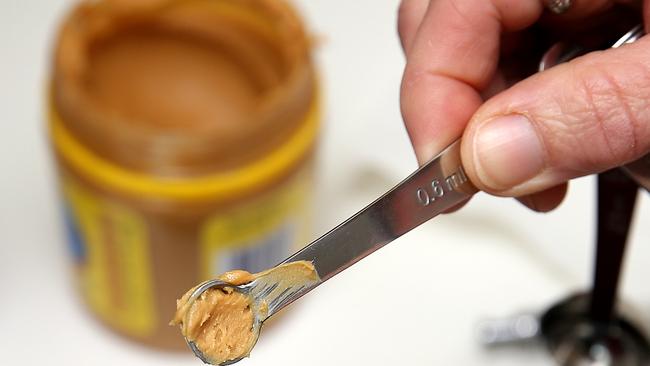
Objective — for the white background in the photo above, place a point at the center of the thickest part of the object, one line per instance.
(416, 301)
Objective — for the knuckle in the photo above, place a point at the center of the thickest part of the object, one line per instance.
(610, 108)
(401, 15)
(409, 79)
(404, 12)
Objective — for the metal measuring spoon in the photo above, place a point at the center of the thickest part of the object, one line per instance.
(434, 188)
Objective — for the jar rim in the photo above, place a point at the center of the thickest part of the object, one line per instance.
(178, 152)
(214, 186)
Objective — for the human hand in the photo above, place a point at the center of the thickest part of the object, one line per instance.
(533, 133)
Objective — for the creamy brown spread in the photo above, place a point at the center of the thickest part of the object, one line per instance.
(202, 85)
(166, 80)
(221, 321)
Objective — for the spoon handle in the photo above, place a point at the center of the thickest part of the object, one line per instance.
(434, 188)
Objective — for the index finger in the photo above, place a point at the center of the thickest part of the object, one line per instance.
(454, 55)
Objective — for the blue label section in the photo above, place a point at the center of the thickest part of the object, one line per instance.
(75, 241)
(257, 255)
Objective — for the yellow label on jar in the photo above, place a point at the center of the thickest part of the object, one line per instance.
(258, 234)
(111, 246)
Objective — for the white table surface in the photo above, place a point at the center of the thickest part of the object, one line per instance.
(492, 258)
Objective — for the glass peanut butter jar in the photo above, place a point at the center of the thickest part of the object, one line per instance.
(183, 133)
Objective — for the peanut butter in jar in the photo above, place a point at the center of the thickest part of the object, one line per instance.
(183, 133)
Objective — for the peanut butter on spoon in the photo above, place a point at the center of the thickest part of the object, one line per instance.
(223, 322)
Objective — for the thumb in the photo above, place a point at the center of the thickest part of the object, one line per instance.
(578, 118)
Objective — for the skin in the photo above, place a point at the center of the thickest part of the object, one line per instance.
(471, 72)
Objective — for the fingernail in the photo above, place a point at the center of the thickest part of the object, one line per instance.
(507, 152)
